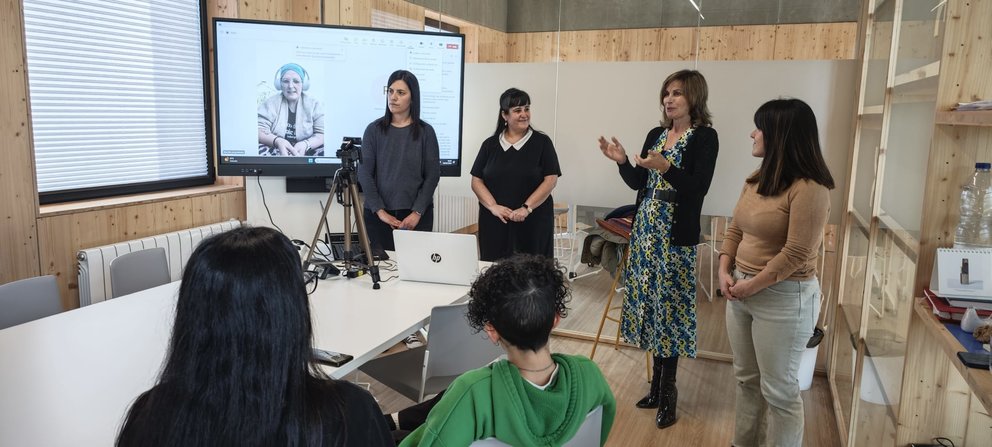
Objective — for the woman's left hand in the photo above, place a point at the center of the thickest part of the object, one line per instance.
(744, 288)
(654, 160)
(519, 214)
(299, 148)
(410, 222)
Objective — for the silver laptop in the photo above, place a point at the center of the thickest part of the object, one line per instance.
(445, 258)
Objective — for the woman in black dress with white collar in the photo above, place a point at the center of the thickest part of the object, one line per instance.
(513, 176)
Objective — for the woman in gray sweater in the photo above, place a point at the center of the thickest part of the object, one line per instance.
(400, 166)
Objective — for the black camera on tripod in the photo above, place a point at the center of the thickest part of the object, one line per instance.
(350, 152)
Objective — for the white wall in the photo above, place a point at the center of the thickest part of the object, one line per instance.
(620, 99)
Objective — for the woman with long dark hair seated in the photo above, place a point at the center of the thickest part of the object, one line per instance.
(240, 368)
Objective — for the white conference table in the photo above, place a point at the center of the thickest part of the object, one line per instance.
(68, 380)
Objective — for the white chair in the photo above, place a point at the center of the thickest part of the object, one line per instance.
(139, 270)
(588, 435)
(710, 245)
(28, 300)
(452, 348)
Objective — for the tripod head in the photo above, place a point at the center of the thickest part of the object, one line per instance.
(350, 153)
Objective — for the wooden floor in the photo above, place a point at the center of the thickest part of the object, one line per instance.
(705, 409)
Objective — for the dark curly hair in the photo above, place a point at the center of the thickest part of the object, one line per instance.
(519, 297)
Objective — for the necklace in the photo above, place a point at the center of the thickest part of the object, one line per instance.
(537, 370)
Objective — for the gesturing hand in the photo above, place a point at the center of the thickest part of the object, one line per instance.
(612, 149)
(654, 160)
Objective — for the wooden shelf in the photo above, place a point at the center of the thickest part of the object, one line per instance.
(979, 380)
(925, 72)
(981, 118)
(872, 110)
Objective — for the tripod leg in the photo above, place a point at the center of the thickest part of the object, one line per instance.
(320, 225)
(363, 235)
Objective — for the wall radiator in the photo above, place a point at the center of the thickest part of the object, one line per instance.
(453, 212)
(94, 263)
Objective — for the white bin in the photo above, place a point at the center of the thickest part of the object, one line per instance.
(806, 366)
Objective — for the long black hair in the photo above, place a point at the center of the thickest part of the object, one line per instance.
(512, 97)
(792, 147)
(239, 369)
(520, 297)
(414, 85)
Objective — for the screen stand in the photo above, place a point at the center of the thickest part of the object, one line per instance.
(308, 184)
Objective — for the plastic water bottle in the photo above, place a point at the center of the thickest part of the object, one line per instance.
(975, 217)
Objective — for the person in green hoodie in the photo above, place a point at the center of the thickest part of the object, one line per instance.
(534, 397)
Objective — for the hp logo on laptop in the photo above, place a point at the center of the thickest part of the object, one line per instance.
(435, 257)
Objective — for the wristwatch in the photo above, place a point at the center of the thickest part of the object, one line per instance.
(524, 206)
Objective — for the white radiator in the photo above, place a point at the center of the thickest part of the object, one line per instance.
(94, 263)
(453, 212)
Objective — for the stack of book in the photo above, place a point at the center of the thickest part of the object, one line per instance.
(948, 312)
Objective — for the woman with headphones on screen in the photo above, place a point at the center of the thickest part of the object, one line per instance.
(291, 122)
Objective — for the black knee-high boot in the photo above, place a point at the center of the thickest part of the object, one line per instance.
(653, 397)
(668, 395)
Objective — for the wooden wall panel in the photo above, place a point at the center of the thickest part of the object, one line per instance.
(355, 12)
(531, 47)
(754, 42)
(214, 208)
(18, 193)
(729, 43)
(278, 10)
(816, 41)
(304, 11)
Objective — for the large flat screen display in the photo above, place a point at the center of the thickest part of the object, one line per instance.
(342, 74)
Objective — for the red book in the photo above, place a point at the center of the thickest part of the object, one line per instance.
(945, 311)
(620, 226)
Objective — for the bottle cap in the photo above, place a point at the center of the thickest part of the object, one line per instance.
(983, 165)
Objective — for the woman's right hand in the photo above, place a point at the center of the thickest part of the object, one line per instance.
(388, 219)
(612, 149)
(726, 282)
(726, 277)
(501, 212)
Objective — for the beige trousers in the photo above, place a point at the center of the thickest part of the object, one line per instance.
(768, 334)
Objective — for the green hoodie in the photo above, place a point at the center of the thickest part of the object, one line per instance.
(495, 401)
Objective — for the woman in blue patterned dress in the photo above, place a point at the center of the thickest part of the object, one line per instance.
(672, 175)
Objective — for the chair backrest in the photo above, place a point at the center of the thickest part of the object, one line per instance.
(453, 347)
(139, 270)
(28, 299)
(588, 435)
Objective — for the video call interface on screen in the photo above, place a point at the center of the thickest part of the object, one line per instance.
(345, 71)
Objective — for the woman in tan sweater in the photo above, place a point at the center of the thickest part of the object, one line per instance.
(768, 271)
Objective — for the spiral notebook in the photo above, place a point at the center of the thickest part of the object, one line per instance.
(964, 276)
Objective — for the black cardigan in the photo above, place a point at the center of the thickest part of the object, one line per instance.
(691, 181)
